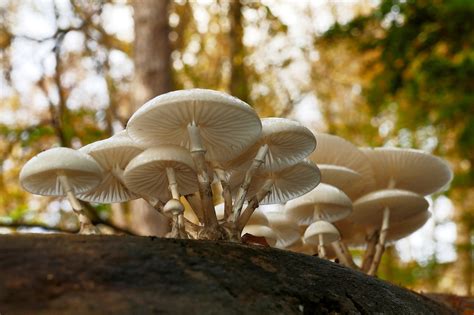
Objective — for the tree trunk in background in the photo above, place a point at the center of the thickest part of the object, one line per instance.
(238, 86)
(153, 76)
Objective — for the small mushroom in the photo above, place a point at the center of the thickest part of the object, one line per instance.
(324, 202)
(164, 172)
(286, 230)
(210, 124)
(408, 169)
(63, 172)
(113, 155)
(340, 177)
(381, 207)
(334, 150)
(321, 233)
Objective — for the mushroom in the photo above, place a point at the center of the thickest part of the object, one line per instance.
(321, 233)
(408, 169)
(113, 155)
(339, 176)
(334, 150)
(283, 143)
(285, 229)
(208, 123)
(324, 202)
(164, 172)
(63, 172)
(407, 226)
(383, 206)
(274, 187)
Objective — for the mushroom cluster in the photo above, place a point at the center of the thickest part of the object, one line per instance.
(183, 150)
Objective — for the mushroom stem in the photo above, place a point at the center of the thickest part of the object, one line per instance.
(226, 192)
(369, 253)
(344, 255)
(178, 221)
(86, 225)
(257, 162)
(321, 249)
(252, 205)
(198, 152)
(195, 204)
(380, 247)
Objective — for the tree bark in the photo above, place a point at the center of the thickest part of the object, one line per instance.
(77, 274)
(153, 76)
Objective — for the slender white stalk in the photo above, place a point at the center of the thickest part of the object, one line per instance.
(257, 162)
(198, 152)
(226, 192)
(253, 204)
(321, 249)
(86, 226)
(178, 219)
(344, 255)
(380, 247)
(372, 239)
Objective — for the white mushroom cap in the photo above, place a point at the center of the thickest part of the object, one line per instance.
(327, 230)
(337, 151)
(261, 231)
(341, 177)
(146, 173)
(113, 155)
(40, 174)
(227, 125)
(368, 210)
(288, 142)
(286, 230)
(406, 227)
(409, 169)
(287, 183)
(324, 202)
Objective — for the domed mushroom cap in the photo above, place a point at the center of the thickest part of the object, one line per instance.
(40, 174)
(286, 184)
(341, 177)
(408, 169)
(324, 202)
(408, 226)
(286, 230)
(113, 155)
(337, 151)
(261, 231)
(227, 125)
(368, 210)
(146, 173)
(327, 230)
(288, 142)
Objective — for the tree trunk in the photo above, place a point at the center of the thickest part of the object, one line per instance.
(153, 76)
(238, 85)
(77, 274)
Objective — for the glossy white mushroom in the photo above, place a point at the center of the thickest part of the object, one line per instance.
(286, 230)
(63, 172)
(321, 233)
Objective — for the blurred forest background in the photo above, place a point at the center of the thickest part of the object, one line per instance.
(378, 73)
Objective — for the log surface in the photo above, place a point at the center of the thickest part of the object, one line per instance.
(74, 274)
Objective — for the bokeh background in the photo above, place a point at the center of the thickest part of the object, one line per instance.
(378, 73)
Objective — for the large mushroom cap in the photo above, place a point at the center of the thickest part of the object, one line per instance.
(286, 184)
(337, 151)
(406, 227)
(113, 155)
(286, 230)
(40, 174)
(146, 173)
(408, 169)
(324, 202)
(341, 177)
(227, 125)
(261, 231)
(328, 232)
(288, 142)
(368, 210)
